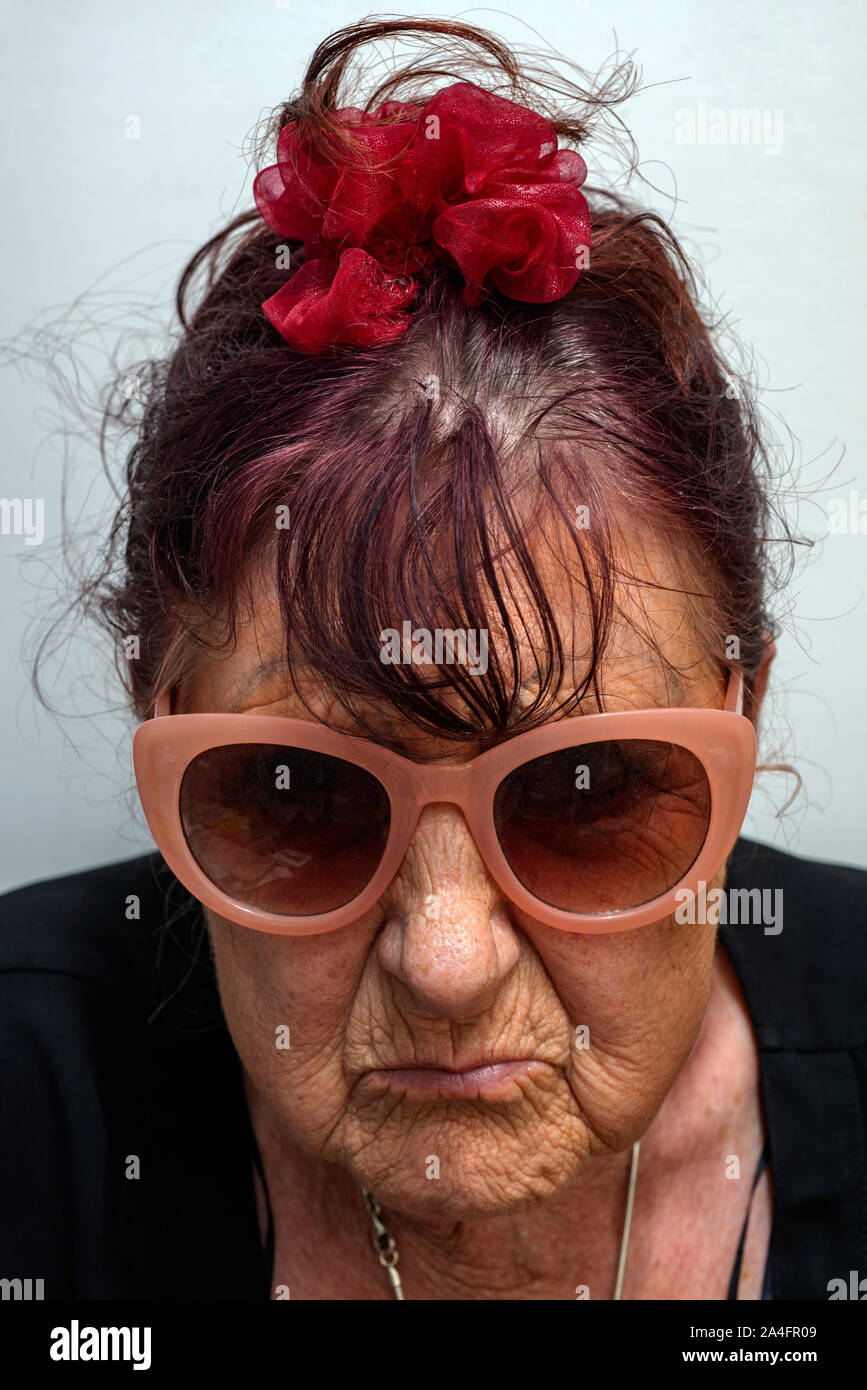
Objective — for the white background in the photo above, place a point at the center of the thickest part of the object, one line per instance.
(780, 239)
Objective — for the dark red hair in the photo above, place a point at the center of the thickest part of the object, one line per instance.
(408, 502)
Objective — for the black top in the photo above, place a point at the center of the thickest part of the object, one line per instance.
(114, 1049)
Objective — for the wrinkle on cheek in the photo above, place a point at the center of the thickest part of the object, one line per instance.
(639, 999)
(268, 984)
(626, 983)
(314, 976)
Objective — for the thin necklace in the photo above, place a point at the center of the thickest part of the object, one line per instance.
(383, 1240)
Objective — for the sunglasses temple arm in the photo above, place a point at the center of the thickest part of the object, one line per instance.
(735, 693)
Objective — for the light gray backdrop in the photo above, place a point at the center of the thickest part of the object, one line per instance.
(124, 131)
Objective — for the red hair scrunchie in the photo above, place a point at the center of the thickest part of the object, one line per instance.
(470, 180)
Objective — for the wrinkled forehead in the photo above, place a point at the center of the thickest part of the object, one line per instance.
(657, 650)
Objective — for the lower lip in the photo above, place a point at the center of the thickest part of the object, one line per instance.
(494, 1081)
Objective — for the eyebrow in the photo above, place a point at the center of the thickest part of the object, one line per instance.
(278, 665)
(275, 665)
(256, 681)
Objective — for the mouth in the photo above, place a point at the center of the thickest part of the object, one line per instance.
(494, 1080)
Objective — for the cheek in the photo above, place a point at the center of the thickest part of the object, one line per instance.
(287, 1001)
(636, 1001)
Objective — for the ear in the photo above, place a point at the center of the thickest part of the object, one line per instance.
(759, 682)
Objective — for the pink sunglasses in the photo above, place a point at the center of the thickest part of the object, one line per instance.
(591, 824)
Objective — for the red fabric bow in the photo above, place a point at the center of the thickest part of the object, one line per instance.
(470, 180)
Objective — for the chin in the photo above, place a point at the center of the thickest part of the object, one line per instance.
(472, 1166)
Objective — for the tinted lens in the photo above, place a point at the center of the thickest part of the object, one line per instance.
(284, 830)
(603, 827)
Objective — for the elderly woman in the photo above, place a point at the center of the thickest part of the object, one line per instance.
(443, 597)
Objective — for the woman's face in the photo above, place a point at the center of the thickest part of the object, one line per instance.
(444, 973)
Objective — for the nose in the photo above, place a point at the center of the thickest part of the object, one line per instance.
(448, 937)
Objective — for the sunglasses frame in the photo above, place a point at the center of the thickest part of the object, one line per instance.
(723, 740)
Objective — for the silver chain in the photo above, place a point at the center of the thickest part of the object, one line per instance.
(383, 1240)
(383, 1244)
